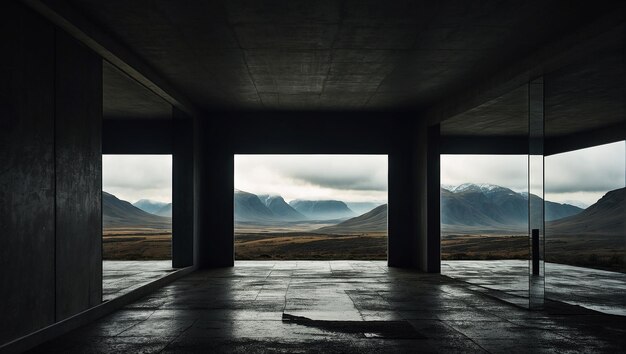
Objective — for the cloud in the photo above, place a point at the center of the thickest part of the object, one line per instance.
(134, 177)
(596, 169)
(577, 176)
(345, 177)
(509, 171)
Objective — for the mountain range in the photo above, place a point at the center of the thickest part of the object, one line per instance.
(322, 209)
(154, 207)
(492, 207)
(120, 213)
(374, 220)
(607, 216)
(487, 205)
(250, 207)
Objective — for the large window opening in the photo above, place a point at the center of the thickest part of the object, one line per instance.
(314, 207)
(136, 220)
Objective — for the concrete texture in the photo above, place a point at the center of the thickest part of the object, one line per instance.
(78, 167)
(125, 98)
(26, 173)
(182, 189)
(331, 54)
(348, 304)
(50, 156)
(594, 289)
(122, 277)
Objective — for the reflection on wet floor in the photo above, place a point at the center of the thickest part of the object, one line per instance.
(121, 277)
(598, 290)
(240, 310)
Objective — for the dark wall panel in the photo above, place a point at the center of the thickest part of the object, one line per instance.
(26, 172)
(78, 177)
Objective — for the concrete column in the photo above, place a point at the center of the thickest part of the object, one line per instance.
(433, 200)
(402, 246)
(182, 189)
(213, 189)
(414, 198)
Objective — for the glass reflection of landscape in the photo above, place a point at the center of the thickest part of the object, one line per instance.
(310, 207)
(592, 179)
(136, 207)
(484, 208)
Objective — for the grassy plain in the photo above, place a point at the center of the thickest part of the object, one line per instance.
(593, 251)
(309, 246)
(136, 244)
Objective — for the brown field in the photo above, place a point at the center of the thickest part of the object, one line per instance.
(309, 246)
(593, 251)
(483, 247)
(136, 244)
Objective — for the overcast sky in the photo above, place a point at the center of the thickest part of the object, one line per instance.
(578, 177)
(581, 176)
(134, 177)
(349, 178)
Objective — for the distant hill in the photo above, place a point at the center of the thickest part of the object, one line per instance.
(149, 206)
(166, 210)
(605, 217)
(120, 213)
(322, 209)
(281, 210)
(362, 207)
(373, 221)
(490, 206)
(248, 207)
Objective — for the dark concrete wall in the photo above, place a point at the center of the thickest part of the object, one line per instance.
(26, 173)
(78, 124)
(50, 209)
(182, 189)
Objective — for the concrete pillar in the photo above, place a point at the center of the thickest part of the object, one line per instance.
(402, 246)
(414, 198)
(213, 186)
(432, 262)
(182, 189)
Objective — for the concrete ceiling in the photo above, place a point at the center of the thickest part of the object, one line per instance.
(125, 98)
(587, 94)
(330, 54)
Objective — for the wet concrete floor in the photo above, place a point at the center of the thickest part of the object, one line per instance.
(345, 306)
(594, 289)
(121, 277)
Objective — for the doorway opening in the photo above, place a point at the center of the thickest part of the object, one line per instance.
(310, 207)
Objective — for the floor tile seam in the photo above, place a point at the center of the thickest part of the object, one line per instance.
(138, 323)
(464, 335)
(178, 336)
(264, 283)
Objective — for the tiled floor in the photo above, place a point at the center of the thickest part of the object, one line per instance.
(348, 305)
(598, 290)
(120, 277)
